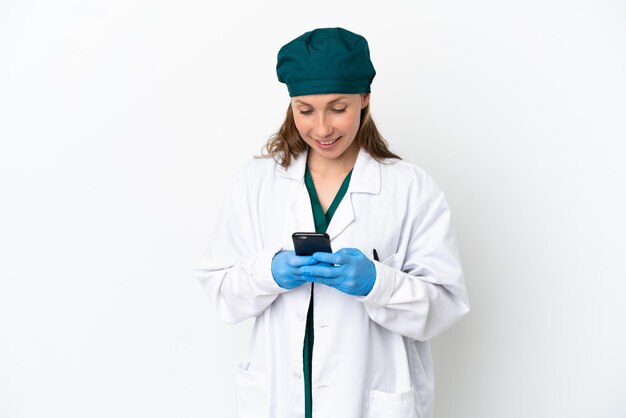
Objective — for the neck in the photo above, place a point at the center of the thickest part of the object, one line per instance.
(337, 166)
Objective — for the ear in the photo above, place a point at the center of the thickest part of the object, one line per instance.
(365, 99)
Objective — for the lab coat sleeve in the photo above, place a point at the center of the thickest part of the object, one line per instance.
(234, 272)
(424, 294)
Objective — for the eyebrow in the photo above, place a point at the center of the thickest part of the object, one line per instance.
(332, 101)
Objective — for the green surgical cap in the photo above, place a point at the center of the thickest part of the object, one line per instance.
(326, 60)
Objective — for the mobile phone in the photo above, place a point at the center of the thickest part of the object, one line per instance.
(307, 243)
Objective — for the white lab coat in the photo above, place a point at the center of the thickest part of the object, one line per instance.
(371, 355)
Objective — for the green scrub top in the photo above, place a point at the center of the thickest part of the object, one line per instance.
(321, 220)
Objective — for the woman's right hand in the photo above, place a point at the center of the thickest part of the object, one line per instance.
(286, 268)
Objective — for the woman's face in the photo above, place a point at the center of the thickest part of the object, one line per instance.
(328, 123)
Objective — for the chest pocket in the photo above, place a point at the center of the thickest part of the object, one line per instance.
(394, 260)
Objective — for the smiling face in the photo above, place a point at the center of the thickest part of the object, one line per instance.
(328, 123)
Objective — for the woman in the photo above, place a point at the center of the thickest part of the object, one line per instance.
(336, 334)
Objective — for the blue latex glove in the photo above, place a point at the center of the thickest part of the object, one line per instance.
(286, 268)
(353, 273)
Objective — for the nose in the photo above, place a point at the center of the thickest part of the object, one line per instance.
(323, 128)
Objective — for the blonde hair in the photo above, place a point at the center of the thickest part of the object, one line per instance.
(287, 142)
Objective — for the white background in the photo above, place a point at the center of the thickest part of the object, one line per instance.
(121, 120)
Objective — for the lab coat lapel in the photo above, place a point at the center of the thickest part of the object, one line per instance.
(344, 215)
(299, 216)
(365, 179)
(302, 214)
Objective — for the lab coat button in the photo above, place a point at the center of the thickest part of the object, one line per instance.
(297, 374)
(301, 316)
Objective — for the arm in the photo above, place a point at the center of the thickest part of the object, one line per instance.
(426, 294)
(234, 273)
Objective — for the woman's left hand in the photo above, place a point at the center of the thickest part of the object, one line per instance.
(353, 273)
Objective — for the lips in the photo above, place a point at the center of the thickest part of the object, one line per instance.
(327, 145)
